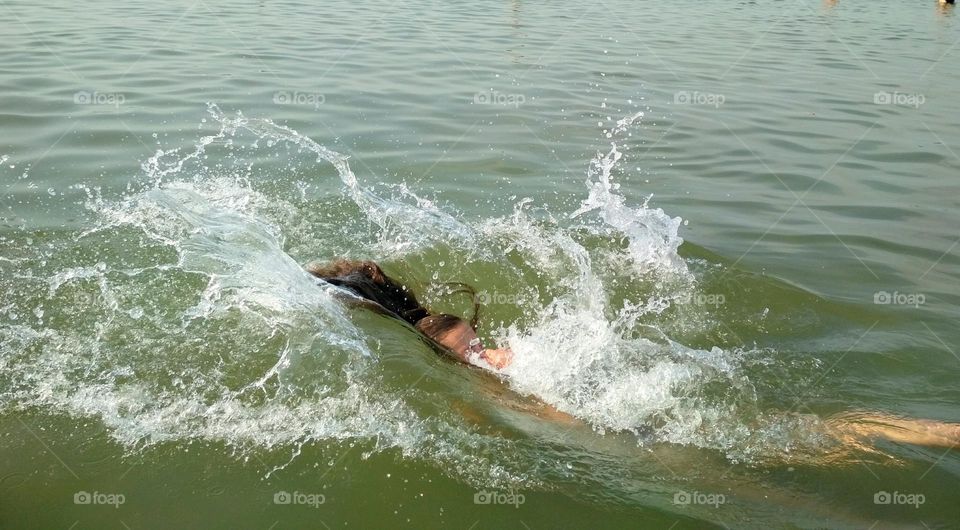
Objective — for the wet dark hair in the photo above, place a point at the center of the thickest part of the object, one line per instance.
(367, 280)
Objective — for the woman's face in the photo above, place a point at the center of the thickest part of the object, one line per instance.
(462, 340)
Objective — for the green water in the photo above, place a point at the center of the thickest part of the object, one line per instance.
(160, 348)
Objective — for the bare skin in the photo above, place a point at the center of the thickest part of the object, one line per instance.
(458, 340)
(854, 429)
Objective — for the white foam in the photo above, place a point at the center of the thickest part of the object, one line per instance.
(653, 236)
(158, 372)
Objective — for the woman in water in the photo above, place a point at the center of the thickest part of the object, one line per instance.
(458, 338)
(453, 334)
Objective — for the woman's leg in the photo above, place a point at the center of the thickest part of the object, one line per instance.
(856, 426)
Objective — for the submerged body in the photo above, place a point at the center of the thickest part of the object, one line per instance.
(457, 337)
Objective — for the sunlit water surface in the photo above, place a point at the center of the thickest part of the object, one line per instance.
(702, 229)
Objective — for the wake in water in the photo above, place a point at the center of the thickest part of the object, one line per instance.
(183, 313)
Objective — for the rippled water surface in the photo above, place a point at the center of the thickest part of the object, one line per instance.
(704, 229)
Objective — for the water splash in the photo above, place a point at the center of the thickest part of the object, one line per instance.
(184, 314)
(652, 235)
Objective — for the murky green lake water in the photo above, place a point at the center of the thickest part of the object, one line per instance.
(703, 229)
